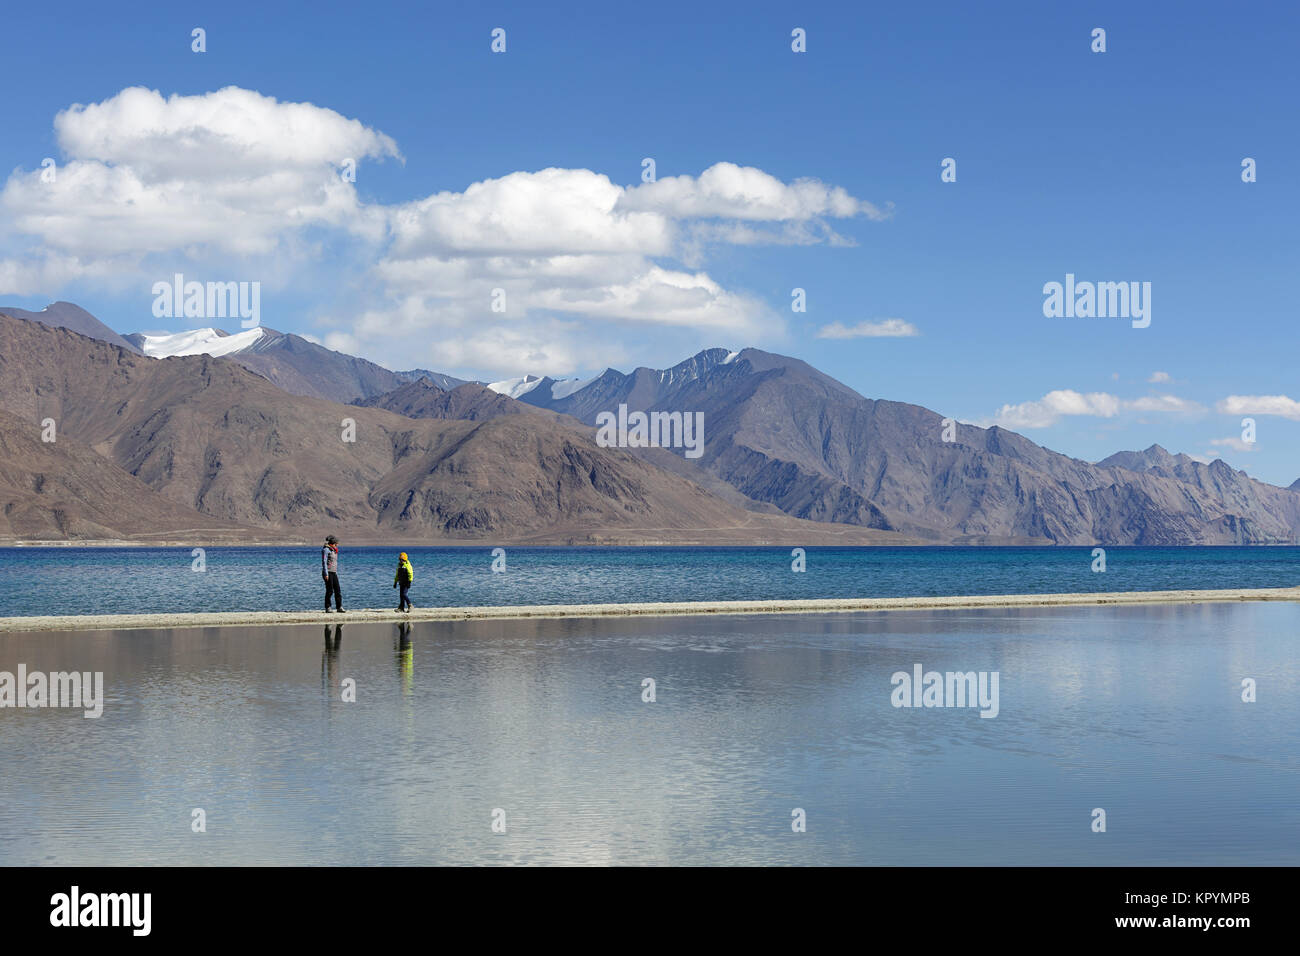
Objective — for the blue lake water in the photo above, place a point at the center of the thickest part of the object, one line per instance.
(123, 580)
(542, 726)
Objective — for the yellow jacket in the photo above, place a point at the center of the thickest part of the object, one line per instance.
(404, 571)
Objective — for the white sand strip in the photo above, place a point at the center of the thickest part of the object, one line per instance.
(95, 622)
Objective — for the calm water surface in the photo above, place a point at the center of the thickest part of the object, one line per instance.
(1136, 710)
(126, 580)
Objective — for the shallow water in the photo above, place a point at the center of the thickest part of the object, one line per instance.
(134, 580)
(1136, 710)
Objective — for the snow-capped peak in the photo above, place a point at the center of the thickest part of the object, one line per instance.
(567, 387)
(514, 387)
(197, 342)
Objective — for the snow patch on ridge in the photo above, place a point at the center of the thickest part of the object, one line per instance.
(566, 388)
(515, 387)
(198, 342)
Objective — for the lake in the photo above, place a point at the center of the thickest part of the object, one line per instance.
(542, 727)
(138, 580)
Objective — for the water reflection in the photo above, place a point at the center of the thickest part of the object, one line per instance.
(405, 657)
(329, 660)
(1137, 710)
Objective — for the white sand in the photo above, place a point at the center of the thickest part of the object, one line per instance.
(90, 622)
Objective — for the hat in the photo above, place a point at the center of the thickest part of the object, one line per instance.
(402, 555)
(330, 539)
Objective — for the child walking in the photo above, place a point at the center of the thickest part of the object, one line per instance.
(405, 575)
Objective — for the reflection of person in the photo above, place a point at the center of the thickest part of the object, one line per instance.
(405, 575)
(329, 660)
(329, 571)
(405, 656)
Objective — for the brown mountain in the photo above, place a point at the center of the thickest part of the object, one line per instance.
(301, 367)
(782, 432)
(468, 402)
(783, 441)
(65, 315)
(62, 490)
(209, 435)
(471, 402)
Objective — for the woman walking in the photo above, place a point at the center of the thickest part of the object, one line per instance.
(329, 571)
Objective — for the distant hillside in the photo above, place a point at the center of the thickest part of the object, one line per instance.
(423, 399)
(783, 442)
(289, 361)
(65, 315)
(780, 431)
(62, 490)
(209, 435)
(468, 402)
(437, 378)
(286, 360)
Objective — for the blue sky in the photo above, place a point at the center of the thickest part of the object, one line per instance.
(1115, 166)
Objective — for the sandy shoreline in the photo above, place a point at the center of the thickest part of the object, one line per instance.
(819, 606)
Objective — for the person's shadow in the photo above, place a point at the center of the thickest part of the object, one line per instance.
(329, 660)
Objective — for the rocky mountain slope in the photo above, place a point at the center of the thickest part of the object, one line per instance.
(210, 436)
(65, 315)
(782, 441)
(61, 490)
(469, 402)
(289, 361)
(780, 431)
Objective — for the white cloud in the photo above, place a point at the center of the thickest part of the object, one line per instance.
(571, 243)
(241, 183)
(502, 349)
(230, 133)
(1279, 405)
(1165, 403)
(1049, 409)
(664, 297)
(551, 212)
(1235, 443)
(883, 328)
(1054, 406)
(728, 191)
(231, 172)
(1160, 378)
(35, 276)
(800, 233)
(341, 342)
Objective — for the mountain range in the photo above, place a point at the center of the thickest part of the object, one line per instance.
(298, 366)
(159, 437)
(199, 447)
(780, 431)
